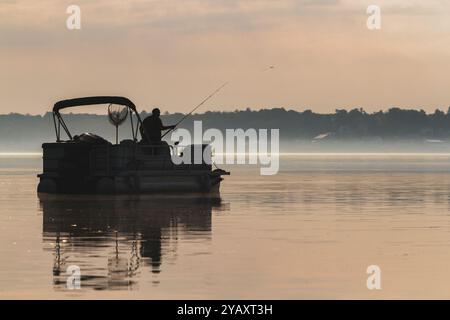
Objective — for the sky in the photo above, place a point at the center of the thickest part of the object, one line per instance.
(174, 53)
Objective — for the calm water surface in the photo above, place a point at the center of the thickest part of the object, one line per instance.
(309, 232)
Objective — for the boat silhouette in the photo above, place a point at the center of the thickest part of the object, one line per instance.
(89, 164)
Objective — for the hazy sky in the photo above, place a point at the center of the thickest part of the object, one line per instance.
(173, 53)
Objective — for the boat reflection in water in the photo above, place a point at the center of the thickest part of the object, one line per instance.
(114, 239)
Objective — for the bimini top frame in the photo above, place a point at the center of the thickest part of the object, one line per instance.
(58, 121)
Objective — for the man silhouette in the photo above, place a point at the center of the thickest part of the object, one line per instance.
(153, 127)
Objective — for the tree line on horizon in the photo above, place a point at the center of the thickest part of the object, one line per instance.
(355, 124)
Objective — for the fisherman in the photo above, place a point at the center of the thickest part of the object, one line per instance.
(153, 127)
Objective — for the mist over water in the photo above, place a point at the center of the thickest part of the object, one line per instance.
(310, 231)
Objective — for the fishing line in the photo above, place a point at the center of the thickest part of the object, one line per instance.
(205, 100)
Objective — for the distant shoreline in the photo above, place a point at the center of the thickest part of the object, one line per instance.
(397, 130)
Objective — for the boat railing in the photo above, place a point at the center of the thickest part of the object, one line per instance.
(109, 160)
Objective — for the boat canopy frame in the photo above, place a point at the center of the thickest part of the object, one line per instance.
(58, 120)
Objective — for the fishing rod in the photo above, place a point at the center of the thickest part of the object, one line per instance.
(204, 101)
(198, 106)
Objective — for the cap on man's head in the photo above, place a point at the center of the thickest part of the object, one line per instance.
(156, 111)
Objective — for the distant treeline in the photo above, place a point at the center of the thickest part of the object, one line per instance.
(20, 132)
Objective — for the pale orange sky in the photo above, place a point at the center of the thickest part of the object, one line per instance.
(173, 53)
